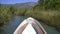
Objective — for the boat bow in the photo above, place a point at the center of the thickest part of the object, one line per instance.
(30, 26)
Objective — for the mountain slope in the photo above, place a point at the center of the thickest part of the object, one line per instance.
(22, 5)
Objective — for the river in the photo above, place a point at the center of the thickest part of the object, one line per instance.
(15, 21)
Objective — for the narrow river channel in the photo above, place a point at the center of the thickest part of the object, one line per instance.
(15, 21)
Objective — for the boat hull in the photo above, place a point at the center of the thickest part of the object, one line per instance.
(34, 23)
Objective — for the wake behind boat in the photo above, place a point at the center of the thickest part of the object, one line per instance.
(30, 26)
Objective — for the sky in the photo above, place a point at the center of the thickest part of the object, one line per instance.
(16, 1)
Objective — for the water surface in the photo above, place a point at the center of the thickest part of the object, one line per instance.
(15, 21)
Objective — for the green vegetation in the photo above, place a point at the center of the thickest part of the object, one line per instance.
(48, 17)
(7, 13)
(49, 4)
(47, 11)
(4, 15)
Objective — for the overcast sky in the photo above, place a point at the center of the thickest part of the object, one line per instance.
(16, 1)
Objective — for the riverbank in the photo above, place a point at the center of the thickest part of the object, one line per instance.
(50, 17)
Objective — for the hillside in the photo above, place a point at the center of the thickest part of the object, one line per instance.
(22, 5)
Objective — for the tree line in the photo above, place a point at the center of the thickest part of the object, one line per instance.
(50, 4)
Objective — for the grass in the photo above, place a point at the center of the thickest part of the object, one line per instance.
(50, 17)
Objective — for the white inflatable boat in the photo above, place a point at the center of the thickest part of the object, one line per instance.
(30, 26)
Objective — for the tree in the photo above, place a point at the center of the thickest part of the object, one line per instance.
(49, 4)
(12, 10)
